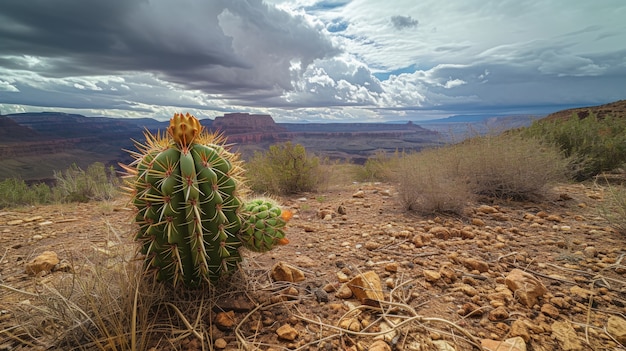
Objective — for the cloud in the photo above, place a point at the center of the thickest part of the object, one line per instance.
(233, 47)
(403, 22)
(309, 59)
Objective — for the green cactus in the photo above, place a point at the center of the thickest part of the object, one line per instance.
(263, 226)
(186, 188)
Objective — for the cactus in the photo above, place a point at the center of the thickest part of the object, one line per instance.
(263, 226)
(186, 187)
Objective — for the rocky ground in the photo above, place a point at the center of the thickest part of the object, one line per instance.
(360, 273)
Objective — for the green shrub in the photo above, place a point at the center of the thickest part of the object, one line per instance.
(77, 185)
(597, 145)
(285, 168)
(15, 192)
(378, 167)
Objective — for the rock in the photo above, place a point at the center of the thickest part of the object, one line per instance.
(476, 264)
(512, 344)
(344, 292)
(549, 310)
(525, 286)
(440, 232)
(442, 345)
(287, 332)
(520, 328)
(565, 334)
(431, 276)
(237, 303)
(320, 295)
(341, 210)
(581, 292)
(478, 222)
(42, 263)
(367, 288)
(359, 194)
(590, 252)
(379, 345)
(470, 309)
(286, 273)
(391, 267)
(220, 343)
(616, 327)
(486, 209)
(498, 314)
(225, 320)
(351, 324)
(372, 245)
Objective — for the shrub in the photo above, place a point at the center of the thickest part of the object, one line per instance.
(378, 167)
(614, 208)
(15, 192)
(77, 185)
(284, 168)
(427, 182)
(597, 145)
(509, 166)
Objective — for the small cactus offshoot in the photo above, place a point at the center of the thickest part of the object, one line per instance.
(186, 186)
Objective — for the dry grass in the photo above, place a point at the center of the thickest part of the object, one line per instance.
(614, 208)
(504, 166)
(427, 182)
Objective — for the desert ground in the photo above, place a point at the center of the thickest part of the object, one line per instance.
(546, 276)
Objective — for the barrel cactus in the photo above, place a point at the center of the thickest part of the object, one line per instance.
(187, 186)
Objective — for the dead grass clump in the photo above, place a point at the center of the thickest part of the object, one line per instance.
(427, 182)
(108, 304)
(507, 166)
(614, 207)
(510, 166)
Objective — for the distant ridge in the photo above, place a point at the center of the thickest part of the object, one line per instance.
(615, 109)
(10, 131)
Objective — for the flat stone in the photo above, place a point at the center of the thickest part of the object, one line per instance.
(525, 286)
(225, 320)
(476, 264)
(286, 273)
(431, 276)
(549, 310)
(42, 263)
(566, 335)
(367, 288)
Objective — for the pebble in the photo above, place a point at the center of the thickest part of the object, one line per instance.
(287, 332)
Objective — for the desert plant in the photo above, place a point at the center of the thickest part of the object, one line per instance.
(509, 165)
(614, 207)
(186, 187)
(77, 185)
(15, 192)
(379, 167)
(596, 144)
(285, 168)
(428, 182)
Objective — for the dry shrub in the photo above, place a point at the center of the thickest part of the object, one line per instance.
(510, 166)
(427, 182)
(506, 166)
(614, 207)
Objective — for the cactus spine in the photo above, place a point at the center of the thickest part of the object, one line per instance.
(185, 186)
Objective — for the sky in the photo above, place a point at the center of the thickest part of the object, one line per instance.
(310, 60)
